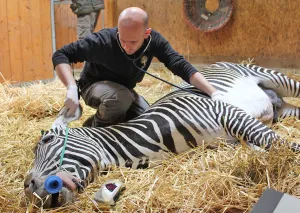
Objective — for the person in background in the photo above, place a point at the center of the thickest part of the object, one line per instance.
(114, 59)
(87, 12)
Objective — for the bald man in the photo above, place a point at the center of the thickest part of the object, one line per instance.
(113, 59)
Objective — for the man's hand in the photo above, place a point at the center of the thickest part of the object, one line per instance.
(218, 95)
(63, 121)
(71, 102)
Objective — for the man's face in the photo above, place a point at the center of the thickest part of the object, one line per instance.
(132, 38)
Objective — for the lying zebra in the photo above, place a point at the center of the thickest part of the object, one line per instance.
(176, 123)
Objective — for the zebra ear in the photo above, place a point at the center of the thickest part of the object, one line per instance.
(42, 132)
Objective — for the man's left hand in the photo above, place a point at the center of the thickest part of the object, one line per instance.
(218, 95)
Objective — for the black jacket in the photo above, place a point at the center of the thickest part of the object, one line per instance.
(105, 59)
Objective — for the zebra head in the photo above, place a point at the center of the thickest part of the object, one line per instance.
(55, 154)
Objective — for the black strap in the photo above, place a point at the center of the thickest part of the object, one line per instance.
(78, 88)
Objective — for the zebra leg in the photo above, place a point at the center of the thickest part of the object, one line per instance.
(241, 125)
(280, 83)
(288, 110)
(268, 78)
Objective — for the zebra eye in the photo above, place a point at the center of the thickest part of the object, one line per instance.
(47, 139)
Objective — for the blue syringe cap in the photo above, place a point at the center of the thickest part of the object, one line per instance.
(53, 184)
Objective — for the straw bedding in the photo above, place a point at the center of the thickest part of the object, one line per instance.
(203, 180)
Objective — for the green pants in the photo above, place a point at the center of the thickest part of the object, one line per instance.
(114, 103)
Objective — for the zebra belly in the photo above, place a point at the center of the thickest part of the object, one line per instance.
(247, 95)
(204, 137)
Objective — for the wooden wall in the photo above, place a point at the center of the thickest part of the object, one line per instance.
(266, 30)
(65, 24)
(25, 40)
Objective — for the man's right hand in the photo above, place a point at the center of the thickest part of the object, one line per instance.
(72, 101)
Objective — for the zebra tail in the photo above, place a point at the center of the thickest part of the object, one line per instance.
(289, 110)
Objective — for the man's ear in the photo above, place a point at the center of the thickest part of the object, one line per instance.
(148, 31)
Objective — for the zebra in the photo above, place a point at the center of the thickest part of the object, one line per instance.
(176, 123)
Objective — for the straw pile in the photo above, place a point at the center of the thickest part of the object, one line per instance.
(203, 180)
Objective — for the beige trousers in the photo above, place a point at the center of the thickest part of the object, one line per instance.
(114, 103)
(86, 24)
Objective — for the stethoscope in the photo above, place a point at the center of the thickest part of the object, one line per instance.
(133, 60)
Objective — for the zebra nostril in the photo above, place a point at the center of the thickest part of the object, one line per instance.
(32, 182)
(26, 185)
(28, 181)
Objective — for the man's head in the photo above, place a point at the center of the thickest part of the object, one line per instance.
(133, 29)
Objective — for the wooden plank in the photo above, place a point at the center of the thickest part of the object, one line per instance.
(58, 21)
(47, 70)
(75, 26)
(72, 26)
(99, 24)
(64, 24)
(106, 16)
(109, 13)
(74, 34)
(26, 40)
(106, 13)
(36, 31)
(72, 31)
(14, 41)
(5, 70)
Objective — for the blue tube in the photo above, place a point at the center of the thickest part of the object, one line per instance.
(53, 184)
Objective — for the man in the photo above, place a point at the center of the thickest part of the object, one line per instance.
(114, 57)
(87, 12)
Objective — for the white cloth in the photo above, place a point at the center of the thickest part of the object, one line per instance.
(62, 120)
